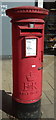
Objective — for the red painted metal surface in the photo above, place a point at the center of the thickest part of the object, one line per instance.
(27, 72)
(27, 12)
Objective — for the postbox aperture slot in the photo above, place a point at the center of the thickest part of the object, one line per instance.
(31, 30)
(30, 47)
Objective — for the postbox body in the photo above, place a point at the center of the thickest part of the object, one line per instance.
(28, 47)
(27, 52)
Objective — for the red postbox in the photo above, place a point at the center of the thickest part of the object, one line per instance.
(27, 53)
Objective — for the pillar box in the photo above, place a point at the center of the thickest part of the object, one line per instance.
(27, 58)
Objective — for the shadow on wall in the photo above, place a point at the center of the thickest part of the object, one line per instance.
(7, 105)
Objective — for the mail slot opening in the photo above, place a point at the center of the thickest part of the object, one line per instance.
(31, 30)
